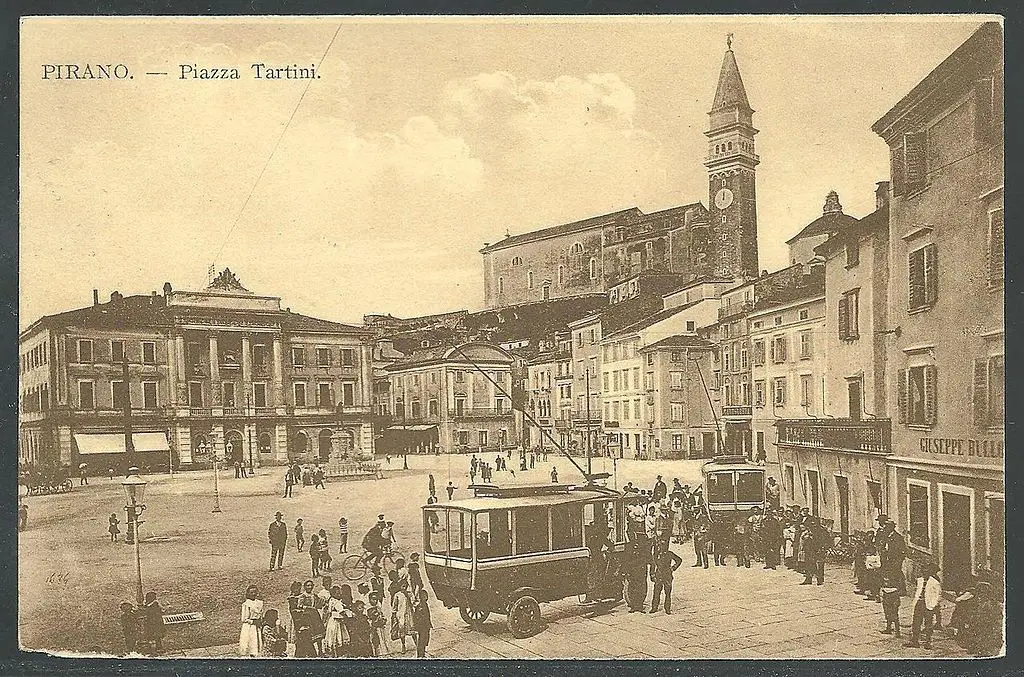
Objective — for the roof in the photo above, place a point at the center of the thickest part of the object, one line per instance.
(876, 221)
(449, 353)
(652, 320)
(679, 341)
(296, 322)
(563, 229)
(832, 220)
(483, 503)
(730, 90)
(981, 51)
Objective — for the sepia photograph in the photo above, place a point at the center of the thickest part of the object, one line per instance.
(512, 337)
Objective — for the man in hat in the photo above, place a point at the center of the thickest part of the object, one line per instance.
(660, 489)
(277, 534)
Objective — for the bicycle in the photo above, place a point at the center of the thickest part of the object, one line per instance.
(355, 567)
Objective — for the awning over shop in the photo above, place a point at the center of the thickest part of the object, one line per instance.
(113, 443)
(413, 427)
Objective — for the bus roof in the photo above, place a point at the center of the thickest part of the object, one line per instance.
(485, 503)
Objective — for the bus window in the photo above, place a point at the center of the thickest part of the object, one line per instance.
(750, 486)
(531, 530)
(435, 523)
(566, 526)
(602, 514)
(460, 525)
(493, 536)
(720, 488)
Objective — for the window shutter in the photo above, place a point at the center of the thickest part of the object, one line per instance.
(901, 396)
(995, 247)
(914, 147)
(896, 169)
(782, 349)
(981, 393)
(773, 349)
(983, 99)
(916, 279)
(930, 395)
(931, 273)
(844, 319)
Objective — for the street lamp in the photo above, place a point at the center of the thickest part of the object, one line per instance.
(134, 490)
(205, 447)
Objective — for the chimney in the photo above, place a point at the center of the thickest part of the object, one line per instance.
(115, 297)
(167, 289)
(881, 194)
(152, 299)
(95, 297)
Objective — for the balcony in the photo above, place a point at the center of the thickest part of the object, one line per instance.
(733, 310)
(873, 437)
(736, 411)
(581, 417)
(479, 412)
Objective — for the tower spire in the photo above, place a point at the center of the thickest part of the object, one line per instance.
(730, 90)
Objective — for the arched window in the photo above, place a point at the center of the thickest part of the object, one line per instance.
(529, 280)
(501, 285)
(517, 261)
(730, 145)
(593, 269)
(576, 248)
(561, 271)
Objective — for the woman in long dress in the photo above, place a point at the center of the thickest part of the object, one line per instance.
(309, 603)
(252, 617)
(402, 611)
(336, 635)
(378, 624)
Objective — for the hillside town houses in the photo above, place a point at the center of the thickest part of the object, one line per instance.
(867, 375)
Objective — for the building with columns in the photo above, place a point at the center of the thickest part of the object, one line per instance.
(220, 371)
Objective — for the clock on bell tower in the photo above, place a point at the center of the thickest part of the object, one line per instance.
(731, 163)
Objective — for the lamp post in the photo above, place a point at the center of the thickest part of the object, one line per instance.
(205, 446)
(134, 491)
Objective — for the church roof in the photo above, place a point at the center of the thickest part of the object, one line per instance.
(563, 229)
(832, 220)
(730, 90)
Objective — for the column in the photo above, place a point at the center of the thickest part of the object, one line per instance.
(181, 437)
(366, 375)
(215, 387)
(277, 388)
(280, 443)
(179, 364)
(246, 371)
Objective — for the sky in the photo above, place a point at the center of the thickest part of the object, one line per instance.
(373, 188)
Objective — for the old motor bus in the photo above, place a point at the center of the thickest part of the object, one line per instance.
(732, 486)
(507, 549)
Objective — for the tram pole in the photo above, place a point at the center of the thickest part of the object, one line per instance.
(718, 427)
(589, 469)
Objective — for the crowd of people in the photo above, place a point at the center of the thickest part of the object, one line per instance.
(303, 475)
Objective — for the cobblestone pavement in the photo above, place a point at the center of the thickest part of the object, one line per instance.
(723, 612)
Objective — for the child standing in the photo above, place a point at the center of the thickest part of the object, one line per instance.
(343, 535)
(300, 538)
(325, 550)
(926, 601)
(891, 607)
(114, 527)
(314, 555)
(275, 637)
(415, 578)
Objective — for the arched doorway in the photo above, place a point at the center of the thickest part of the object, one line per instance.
(201, 449)
(264, 443)
(234, 447)
(299, 446)
(324, 444)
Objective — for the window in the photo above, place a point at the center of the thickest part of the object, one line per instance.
(501, 285)
(606, 379)
(323, 357)
(259, 395)
(561, 275)
(84, 350)
(299, 390)
(636, 378)
(417, 410)
(593, 269)
(989, 392)
(804, 314)
(918, 513)
(691, 326)
(849, 312)
(576, 248)
(116, 350)
(86, 395)
(348, 394)
(481, 437)
(529, 280)
(567, 526)
(806, 394)
(779, 390)
(759, 393)
(676, 356)
(778, 320)
(726, 358)
(517, 261)
(677, 442)
(195, 394)
(228, 389)
(805, 344)
(323, 395)
(149, 395)
(118, 394)
(593, 340)
(676, 379)
(916, 395)
(579, 340)
(499, 405)
(636, 409)
(677, 411)
(298, 356)
(148, 352)
(779, 349)
(460, 376)
(915, 160)
(348, 357)
(758, 324)
(531, 530)
(924, 282)
(995, 246)
(743, 356)
(617, 381)
(758, 352)
(852, 254)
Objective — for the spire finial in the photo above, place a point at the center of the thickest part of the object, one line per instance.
(728, 41)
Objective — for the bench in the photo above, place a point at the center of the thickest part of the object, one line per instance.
(356, 469)
(179, 619)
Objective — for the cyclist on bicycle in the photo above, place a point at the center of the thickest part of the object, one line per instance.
(374, 544)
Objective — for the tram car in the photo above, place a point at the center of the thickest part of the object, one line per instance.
(506, 550)
(732, 486)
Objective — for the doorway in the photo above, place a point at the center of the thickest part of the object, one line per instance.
(853, 387)
(843, 500)
(812, 491)
(707, 444)
(324, 444)
(956, 540)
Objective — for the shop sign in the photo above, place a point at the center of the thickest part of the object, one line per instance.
(958, 447)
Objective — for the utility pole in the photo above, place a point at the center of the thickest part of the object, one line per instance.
(589, 469)
(129, 444)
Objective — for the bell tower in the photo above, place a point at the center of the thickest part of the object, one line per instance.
(731, 163)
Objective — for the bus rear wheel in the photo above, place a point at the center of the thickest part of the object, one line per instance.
(473, 616)
(523, 617)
